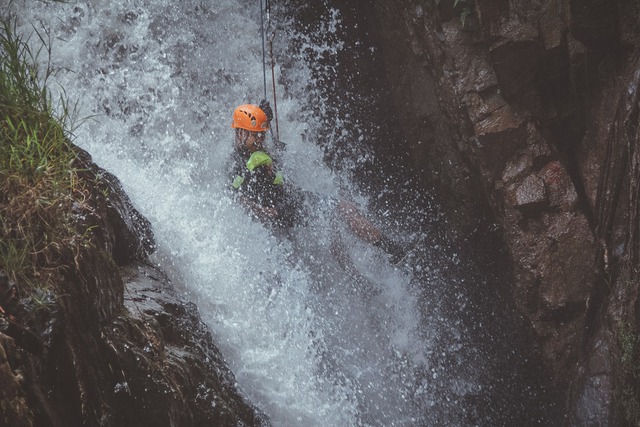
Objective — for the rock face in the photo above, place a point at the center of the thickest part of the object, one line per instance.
(537, 102)
(121, 348)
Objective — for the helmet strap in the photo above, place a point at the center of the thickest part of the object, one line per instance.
(241, 139)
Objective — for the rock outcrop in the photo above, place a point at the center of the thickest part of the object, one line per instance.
(119, 345)
(538, 103)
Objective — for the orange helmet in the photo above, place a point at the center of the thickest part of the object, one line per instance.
(250, 117)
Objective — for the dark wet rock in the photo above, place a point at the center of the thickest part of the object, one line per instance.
(515, 64)
(595, 22)
(561, 191)
(540, 101)
(15, 407)
(163, 338)
(594, 395)
(531, 194)
(120, 347)
(516, 168)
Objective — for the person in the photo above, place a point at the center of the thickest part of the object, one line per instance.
(260, 186)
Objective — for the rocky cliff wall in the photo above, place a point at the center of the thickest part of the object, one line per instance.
(534, 105)
(110, 342)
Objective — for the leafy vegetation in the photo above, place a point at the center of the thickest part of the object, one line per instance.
(39, 185)
(629, 340)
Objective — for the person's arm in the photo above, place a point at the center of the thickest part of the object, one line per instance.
(361, 226)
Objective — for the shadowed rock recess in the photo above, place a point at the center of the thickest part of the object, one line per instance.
(121, 347)
(538, 101)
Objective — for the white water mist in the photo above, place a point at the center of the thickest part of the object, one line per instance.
(312, 339)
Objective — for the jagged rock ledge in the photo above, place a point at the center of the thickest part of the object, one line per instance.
(120, 347)
(533, 108)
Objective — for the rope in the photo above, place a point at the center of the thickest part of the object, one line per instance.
(265, 7)
(264, 69)
(273, 80)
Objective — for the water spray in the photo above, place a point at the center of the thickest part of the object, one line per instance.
(265, 8)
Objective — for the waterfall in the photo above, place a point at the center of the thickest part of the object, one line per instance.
(318, 327)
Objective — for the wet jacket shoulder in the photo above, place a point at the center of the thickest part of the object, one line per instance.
(255, 177)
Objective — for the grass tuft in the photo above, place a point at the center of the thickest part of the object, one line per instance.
(39, 185)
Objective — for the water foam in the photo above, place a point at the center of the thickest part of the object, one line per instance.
(310, 342)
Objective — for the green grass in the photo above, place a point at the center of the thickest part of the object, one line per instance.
(628, 341)
(39, 184)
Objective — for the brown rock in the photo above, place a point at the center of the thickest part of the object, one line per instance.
(517, 167)
(531, 195)
(561, 191)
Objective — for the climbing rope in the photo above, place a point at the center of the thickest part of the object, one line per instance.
(264, 69)
(265, 9)
(273, 80)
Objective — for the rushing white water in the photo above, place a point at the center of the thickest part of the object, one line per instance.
(312, 339)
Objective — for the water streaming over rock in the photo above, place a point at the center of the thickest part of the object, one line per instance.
(318, 327)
